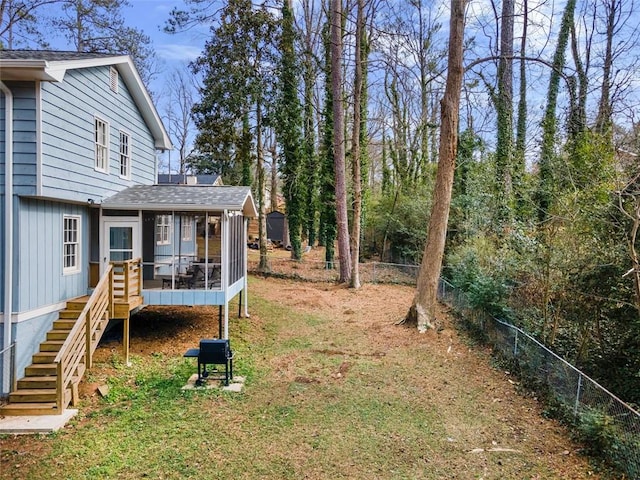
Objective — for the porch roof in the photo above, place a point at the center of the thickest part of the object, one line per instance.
(194, 198)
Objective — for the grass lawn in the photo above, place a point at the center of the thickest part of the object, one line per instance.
(333, 390)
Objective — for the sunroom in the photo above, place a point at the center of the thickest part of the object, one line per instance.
(191, 240)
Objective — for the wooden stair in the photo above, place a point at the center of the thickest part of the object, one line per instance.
(36, 391)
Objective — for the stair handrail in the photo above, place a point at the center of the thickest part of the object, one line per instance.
(130, 284)
(79, 345)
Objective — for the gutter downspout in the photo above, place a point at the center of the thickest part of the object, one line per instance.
(8, 224)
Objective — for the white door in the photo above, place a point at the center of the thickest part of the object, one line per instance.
(121, 241)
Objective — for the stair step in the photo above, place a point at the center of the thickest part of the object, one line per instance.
(44, 357)
(40, 369)
(69, 314)
(77, 303)
(51, 346)
(58, 334)
(19, 409)
(37, 382)
(33, 395)
(64, 323)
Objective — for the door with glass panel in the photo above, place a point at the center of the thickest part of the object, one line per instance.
(121, 241)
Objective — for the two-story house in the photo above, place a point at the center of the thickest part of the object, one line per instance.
(79, 138)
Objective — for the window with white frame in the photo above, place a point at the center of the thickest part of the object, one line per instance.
(187, 229)
(102, 145)
(71, 244)
(125, 155)
(163, 229)
(113, 79)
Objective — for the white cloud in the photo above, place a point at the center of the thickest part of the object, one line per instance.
(170, 52)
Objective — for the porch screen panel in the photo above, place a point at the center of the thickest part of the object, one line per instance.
(237, 249)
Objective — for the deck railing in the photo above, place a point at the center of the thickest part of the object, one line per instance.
(77, 351)
(127, 279)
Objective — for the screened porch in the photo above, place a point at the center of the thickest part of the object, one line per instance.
(191, 239)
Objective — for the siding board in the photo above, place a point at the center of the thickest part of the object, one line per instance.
(69, 109)
(24, 137)
(40, 280)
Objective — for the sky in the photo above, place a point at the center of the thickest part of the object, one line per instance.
(173, 51)
(150, 16)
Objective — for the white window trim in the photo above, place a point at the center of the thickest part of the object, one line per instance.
(163, 229)
(113, 79)
(187, 229)
(98, 146)
(127, 175)
(78, 250)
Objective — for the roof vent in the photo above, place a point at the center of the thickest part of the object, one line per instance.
(113, 79)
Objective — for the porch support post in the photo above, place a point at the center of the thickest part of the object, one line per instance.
(125, 339)
(226, 320)
(224, 280)
(246, 268)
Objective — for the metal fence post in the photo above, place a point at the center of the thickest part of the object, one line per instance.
(515, 345)
(577, 402)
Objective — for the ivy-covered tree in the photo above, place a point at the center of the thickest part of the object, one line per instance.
(288, 127)
(549, 122)
(327, 202)
(504, 111)
(310, 157)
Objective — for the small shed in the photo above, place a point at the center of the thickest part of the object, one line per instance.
(278, 228)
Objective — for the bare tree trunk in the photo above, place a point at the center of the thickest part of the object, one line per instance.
(422, 311)
(338, 142)
(263, 266)
(355, 150)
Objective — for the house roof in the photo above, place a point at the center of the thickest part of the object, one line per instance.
(51, 66)
(202, 179)
(183, 198)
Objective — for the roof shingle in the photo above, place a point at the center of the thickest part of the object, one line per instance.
(183, 197)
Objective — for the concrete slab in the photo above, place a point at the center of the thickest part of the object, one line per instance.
(30, 424)
(235, 385)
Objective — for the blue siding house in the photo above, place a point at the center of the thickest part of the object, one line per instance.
(79, 138)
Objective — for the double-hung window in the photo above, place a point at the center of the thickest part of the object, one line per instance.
(71, 244)
(187, 229)
(125, 155)
(163, 229)
(102, 145)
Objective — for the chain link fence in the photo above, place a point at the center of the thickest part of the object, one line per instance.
(318, 271)
(609, 427)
